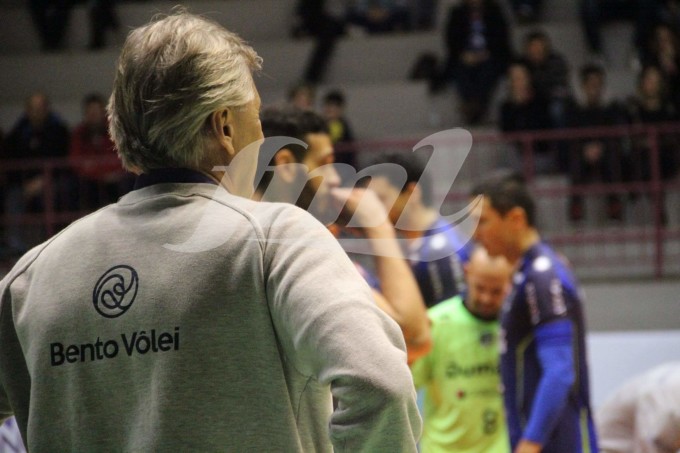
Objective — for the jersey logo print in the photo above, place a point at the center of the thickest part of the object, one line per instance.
(532, 301)
(115, 291)
(559, 307)
(486, 339)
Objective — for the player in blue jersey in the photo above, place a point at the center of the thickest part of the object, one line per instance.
(394, 287)
(543, 356)
(437, 251)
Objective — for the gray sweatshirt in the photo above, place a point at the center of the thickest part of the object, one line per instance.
(114, 337)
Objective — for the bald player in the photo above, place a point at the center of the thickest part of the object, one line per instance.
(463, 408)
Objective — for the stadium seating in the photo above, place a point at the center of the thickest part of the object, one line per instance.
(371, 70)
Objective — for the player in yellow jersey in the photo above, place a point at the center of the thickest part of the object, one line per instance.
(463, 407)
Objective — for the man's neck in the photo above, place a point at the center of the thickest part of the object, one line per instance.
(477, 315)
(526, 241)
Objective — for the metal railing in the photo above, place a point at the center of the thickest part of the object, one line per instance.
(637, 245)
(641, 244)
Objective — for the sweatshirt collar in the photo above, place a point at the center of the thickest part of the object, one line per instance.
(171, 176)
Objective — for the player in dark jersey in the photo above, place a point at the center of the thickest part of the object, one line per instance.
(543, 356)
(436, 250)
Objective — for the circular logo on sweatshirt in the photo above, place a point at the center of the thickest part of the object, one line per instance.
(115, 291)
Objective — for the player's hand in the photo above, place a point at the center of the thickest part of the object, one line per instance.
(361, 208)
(527, 446)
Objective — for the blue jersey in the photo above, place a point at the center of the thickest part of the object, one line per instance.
(543, 357)
(437, 260)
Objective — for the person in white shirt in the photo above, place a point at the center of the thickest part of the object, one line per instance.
(643, 415)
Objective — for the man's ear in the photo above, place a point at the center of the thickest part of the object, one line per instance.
(221, 129)
(284, 164)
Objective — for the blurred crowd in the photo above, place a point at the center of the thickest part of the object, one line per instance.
(539, 91)
(539, 94)
(51, 21)
(47, 163)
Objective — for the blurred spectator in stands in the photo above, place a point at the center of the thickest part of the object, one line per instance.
(598, 159)
(478, 46)
(651, 106)
(379, 16)
(595, 13)
(39, 133)
(424, 14)
(302, 96)
(103, 17)
(426, 67)
(312, 18)
(50, 17)
(93, 157)
(526, 11)
(550, 75)
(339, 129)
(670, 14)
(664, 51)
(643, 415)
(2, 147)
(523, 111)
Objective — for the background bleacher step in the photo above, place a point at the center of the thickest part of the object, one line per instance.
(255, 20)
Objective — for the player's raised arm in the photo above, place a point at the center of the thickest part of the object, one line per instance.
(398, 286)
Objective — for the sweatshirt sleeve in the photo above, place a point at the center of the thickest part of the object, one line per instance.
(332, 331)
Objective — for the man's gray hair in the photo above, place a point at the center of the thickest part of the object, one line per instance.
(172, 74)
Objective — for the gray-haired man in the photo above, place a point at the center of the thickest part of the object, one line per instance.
(116, 337)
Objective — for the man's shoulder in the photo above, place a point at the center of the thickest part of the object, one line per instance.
(444, 237)
(20, 267)
(279, 223)
(258, 213)
(272, 213)
(543, 261)
(539, 267)
(265, 221)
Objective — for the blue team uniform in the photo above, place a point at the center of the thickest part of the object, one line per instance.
(437, 260)
(543, 357)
